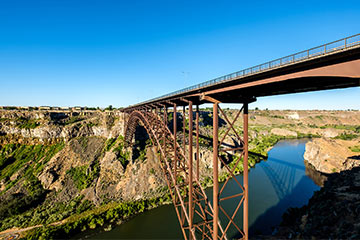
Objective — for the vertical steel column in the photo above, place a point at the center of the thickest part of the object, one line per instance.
(191, 190)
(184, 148)
(175, 129)
(164, 134)
(184, 119)
(245, 175)
(215, 171)
(197, 143)
(166, 115)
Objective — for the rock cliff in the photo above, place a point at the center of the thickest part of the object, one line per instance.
(332, 155)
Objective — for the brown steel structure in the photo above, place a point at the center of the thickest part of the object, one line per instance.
(330, 66)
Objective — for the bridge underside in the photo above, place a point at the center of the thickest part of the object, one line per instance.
(340, 70)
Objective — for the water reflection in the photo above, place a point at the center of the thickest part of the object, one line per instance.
(290, 185)
(318, 177)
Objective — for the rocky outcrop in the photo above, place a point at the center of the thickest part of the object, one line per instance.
(64, 125)
(141, 179)
(79, 152)
(331, 155)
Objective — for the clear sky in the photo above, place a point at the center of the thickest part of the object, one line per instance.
(97, 53)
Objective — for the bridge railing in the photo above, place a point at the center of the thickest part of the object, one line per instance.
(326, 49)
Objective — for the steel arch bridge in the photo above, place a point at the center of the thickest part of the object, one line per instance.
(193, 207)
(330, 66)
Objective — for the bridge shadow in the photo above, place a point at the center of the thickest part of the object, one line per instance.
(282, 175)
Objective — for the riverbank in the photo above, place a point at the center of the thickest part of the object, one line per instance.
(105, 216)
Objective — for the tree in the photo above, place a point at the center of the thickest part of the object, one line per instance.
(110, 107)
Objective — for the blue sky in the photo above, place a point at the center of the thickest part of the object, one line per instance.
(97, 53)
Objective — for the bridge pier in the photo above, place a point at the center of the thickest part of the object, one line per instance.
(246, 171)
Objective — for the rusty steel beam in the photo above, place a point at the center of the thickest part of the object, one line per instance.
(191, 190)
(245, 174)
(175, 130)
(184, 125)
(197, 144)
(215, 172)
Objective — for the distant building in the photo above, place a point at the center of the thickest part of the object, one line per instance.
(65, 108)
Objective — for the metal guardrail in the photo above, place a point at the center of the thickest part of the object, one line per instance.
(326, 49)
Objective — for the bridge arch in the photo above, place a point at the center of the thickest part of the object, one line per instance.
(176, 171)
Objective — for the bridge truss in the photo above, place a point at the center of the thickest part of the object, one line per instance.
(331, 66)
(179, 155)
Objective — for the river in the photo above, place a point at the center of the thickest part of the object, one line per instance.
(274, 185)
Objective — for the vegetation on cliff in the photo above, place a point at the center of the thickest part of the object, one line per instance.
(19, 165)
(103, 216)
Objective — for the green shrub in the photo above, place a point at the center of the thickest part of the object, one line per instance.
(122, 155)
(355, 148)
(109, 144)
(347, 136)
(27, 123)
(83, 176)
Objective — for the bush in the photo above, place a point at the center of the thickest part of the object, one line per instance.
(109, 144)
(355, 148)
(83, 176)
(347, 136)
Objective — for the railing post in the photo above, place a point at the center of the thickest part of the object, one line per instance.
(191, 190)
(215, 172)
(245, 174)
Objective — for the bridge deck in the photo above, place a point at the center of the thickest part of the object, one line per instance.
(330, 66)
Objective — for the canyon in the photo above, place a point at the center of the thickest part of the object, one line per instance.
(57, 167)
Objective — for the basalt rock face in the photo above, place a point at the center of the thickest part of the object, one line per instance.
(332, 213)
(47, 126)
(87, 162)
(331, 155)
